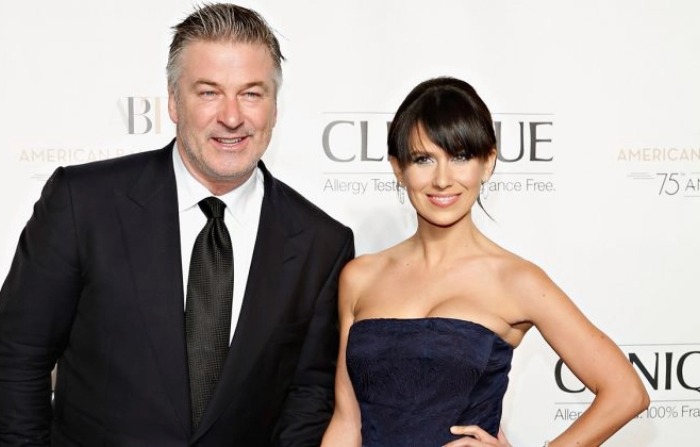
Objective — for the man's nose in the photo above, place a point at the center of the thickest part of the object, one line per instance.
(230, 113)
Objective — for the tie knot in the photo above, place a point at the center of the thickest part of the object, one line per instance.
(212, 207)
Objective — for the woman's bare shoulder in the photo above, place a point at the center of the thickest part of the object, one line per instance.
(526, 283)
(513, 274)
(364, 268)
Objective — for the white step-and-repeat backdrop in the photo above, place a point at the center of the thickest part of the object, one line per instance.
(597, 106)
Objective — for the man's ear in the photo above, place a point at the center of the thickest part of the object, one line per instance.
(172, 106)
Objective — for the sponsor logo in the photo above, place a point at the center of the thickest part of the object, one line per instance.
(664, 171)
(354, 147)
(671, 374)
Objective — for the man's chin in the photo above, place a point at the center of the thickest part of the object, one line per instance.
(233, 175)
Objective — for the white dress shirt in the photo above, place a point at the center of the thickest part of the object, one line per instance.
(242, 217)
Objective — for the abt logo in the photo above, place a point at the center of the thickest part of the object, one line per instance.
(144, 114)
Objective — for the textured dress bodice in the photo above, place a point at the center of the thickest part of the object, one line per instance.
(415, 378)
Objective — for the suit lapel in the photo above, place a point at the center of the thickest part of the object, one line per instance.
(150, 223)
(278, 248)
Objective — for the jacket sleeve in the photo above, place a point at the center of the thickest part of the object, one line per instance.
(37, 304)
(309, 404)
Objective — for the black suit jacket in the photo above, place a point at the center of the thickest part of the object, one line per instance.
(96, 284)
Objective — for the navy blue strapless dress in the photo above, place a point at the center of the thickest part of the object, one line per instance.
(415, 378)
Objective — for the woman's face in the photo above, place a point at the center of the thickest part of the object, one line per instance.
(441, 187)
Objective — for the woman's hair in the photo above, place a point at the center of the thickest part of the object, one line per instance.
(222, 22)
(452, 116)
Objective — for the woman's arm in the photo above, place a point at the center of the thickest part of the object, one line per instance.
(590, 355)
(345, 425)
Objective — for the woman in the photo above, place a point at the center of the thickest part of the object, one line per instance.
(428, 326)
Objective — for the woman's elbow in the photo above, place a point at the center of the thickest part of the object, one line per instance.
(637, 399)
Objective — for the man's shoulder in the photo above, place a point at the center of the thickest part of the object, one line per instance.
(120, 172)
(302, 207)
(121, 163)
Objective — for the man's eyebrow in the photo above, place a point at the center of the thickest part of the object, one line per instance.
(248, 85)
(260, 84)
(205, 82)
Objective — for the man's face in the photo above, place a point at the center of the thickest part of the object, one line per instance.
(224, 108)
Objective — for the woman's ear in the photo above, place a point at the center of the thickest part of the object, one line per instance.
(398, 172)
(489, 165)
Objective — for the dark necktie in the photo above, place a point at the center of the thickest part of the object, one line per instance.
(208, 306)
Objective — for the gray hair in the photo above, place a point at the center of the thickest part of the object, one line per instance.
(222, 22)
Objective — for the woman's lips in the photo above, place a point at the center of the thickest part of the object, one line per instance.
(443, 200)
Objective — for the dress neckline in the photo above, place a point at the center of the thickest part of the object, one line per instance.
(461, 321)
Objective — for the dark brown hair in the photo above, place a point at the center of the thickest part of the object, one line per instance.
(451, 114)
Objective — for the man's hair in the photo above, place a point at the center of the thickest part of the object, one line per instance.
(222, 22)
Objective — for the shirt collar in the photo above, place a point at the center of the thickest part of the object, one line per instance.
(240, 202)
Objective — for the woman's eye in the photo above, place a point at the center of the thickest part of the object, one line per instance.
(420, 159)
(462, 156)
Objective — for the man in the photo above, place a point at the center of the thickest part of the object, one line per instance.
(102, 282)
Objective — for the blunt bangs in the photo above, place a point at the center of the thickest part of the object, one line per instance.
(450, 114)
